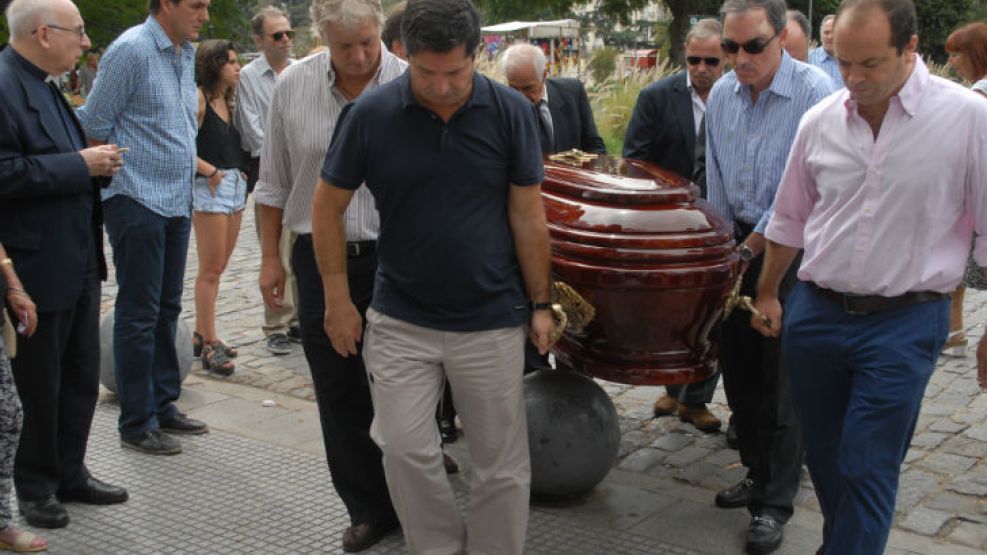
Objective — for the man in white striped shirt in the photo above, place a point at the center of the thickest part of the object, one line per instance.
(307, 101)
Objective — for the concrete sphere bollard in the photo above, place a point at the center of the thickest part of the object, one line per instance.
(183, 344)
(573, 432)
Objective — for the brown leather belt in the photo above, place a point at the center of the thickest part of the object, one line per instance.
(867, 304)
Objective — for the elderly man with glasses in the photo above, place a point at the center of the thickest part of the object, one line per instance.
(665, 129)
(751, 119)
(50, 224)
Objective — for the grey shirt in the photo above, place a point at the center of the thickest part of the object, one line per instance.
(253, 97)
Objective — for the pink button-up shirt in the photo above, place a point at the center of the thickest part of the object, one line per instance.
(895, 214)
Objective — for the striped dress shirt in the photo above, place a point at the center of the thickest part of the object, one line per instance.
(144, 99)
(301, 120)
(253, 98)
(821, 59)
(747, 143)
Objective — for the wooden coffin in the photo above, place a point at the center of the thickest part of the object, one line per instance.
(654, 260)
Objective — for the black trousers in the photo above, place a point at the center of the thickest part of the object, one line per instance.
(758, 390)
(342, 391)
(57, 376)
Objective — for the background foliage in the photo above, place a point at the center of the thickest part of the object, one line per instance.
(614, 19)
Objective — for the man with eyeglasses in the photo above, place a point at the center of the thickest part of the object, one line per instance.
(144, 98)
(751, 119)
(51, 227)
(273, 35)
(664, 129)
(822, 56)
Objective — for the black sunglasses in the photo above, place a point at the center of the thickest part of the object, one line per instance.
(281, 34)
(694, 61)
(754, 46)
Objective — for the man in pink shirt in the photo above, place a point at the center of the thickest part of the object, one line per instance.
(884, 186)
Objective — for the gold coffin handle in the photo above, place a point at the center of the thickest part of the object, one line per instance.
(735, 299)
(572, 312)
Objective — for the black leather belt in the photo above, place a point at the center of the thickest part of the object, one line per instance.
(867, 304)
(353, 248)
(360, 248)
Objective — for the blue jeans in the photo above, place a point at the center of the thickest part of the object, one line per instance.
(149, 252)
(857, 384)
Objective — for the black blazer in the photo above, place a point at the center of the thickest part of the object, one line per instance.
(661, 129)
(50, 218)
(572, 118)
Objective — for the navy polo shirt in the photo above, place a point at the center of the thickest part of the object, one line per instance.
(445, 249)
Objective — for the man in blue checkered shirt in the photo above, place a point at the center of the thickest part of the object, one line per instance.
(144, 99)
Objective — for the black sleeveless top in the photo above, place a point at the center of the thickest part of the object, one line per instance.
(218, 142)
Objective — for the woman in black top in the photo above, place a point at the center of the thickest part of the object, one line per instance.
(219, 194)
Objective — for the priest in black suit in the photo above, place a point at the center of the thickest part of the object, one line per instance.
(50, 225)
(565, 117)
(664, 127)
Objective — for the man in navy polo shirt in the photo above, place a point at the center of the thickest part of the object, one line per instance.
(454, 164)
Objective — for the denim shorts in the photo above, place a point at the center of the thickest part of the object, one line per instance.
(231, 195)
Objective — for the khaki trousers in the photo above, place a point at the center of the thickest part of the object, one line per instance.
(278, 321)
(407, 365)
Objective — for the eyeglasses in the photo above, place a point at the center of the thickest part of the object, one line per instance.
(282, 34)
(81, 31)
(695, 60)
(754, 46)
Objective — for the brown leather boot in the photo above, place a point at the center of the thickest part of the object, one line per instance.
(666, 405)
(700, 417)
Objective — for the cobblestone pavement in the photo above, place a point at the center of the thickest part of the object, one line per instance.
(943, 490)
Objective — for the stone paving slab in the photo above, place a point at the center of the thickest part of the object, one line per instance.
(949, 452)
(230, 494)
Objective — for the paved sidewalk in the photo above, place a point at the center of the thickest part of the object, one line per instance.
(668, 471)
(258, 483)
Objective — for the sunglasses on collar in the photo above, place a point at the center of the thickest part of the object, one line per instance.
(753, 46)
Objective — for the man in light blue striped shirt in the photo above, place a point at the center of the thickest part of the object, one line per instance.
(751, 118)
(144, 99)
(822, 56)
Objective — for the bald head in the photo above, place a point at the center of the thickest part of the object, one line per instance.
(48, 33)
(525, 69)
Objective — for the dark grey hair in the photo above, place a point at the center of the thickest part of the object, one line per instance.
(704, 29)
(257, 21)
(775, 10)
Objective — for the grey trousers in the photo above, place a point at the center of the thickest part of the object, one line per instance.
(11, 419)
(407, 365)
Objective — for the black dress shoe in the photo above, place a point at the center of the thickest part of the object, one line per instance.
(363, 536)
(45, 512)
(153, 442)
(182, 424)
(736, 496)
(95, 492)
(447, 429)
(763, 535)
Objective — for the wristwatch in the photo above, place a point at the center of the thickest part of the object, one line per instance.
(746, 253)
(539, 306)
